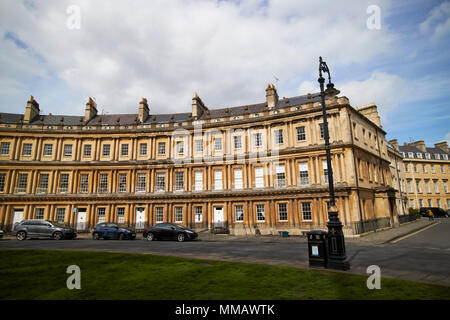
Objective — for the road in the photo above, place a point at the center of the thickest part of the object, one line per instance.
(424, 256)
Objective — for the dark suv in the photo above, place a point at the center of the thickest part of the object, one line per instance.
(42, 228)
(168, 231)
(108, 230)
(437, 212)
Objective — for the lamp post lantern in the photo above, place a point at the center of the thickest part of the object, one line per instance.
(337, 258)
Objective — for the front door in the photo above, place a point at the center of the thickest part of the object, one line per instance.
(218, 217)
(140, 218)
(17, 217)
(81, 219)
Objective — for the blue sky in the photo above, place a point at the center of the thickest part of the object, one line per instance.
(228, 51)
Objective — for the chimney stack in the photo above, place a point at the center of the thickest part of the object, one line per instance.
(143, 110)
(442, 145)
(31, 111)
(198, 107)
(370, 111)
(419, 145)
(271, 96)
(394, 143)
(91, 110)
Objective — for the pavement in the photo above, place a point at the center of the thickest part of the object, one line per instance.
(418, 251)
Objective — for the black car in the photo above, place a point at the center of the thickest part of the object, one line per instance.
(437, 212)
(169, 231)
(108, 230)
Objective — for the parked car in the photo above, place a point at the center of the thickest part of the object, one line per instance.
(36, 228)
(1, 234)
(108, 230)
(169, 231)
(438, 212)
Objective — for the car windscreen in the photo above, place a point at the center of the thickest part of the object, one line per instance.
(57, 224)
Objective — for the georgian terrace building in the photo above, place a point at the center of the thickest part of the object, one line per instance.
(427, 173)
(255, 169)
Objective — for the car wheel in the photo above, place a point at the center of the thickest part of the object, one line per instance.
(150, 236)
(57, 235)
(121, 236)
(21, 235)
(95, 236)
(181, 237)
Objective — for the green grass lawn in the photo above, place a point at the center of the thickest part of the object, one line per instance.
(42, 275)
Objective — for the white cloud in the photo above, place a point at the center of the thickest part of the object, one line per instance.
(437, 22)
(166, 50)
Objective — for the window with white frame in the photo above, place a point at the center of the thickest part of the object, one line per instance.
(436, 189)
(198, 176)
(198, 214)
(430, 203)
(143, 149)
(237, 142)
(306, 211)
(281, 176)
(406, 167)
(438, 203)
(412, 203)
(159, 214)
(238, 181)
(301, 134)
(260, 212)
(411, 155)
(218, 180)
(160, 181)
(106, 150)
(282, 212)
(161, 148)
(87, 150)
(61, 215)
(218, 144)
(101, 215)
(2, 182)
(322, 131)
(121, 215)
(239, 213)
(141, 182)
(84, 183)
(418, 155)
(122, 182)
(48, 150)
(124, 150)
(259, 177)
(278, 135)
(409, 186)
(445, 156)
(27, 147)
(445, 186)
(179, 180)
(22, 182)
(103, 185)
(433, 170)
(421, 203)
(67, 150)
(427, 155)
(258, 139)
(437, 156)
(180, 147)
(415, 168)
(419, 189)
(442, 169)
(303, 173)
(424, 167)
(325, 171)
(43, 183)
(178, 214)
(64, 182)
(199, 145)
(427, 186)
(4, 150)
(39, 213)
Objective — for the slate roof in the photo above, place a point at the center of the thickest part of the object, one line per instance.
(130, 119)
(416, 150)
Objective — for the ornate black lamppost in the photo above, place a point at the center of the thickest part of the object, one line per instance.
(337, 258)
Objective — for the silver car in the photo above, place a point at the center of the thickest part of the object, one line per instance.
(42, 228)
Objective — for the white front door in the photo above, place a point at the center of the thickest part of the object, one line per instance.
(140, 218)
(218, 216)
(17, 217)
(81, 219)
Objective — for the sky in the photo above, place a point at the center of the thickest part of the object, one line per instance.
(392, 53)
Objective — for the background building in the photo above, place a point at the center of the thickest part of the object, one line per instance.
(258, 168)
(427, 173)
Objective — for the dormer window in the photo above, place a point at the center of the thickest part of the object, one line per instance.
(410, 154)
(419, 155)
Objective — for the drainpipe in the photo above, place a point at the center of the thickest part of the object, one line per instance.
(356, 174)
